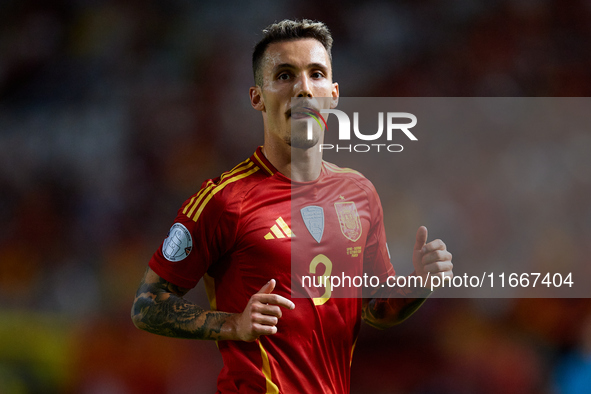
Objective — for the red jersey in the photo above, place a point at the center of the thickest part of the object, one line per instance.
(242, 229)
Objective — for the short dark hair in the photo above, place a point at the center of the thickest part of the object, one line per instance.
(287, 30)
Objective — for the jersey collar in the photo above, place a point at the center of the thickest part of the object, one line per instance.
(260, 160)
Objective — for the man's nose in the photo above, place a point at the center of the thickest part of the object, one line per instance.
(302, 87)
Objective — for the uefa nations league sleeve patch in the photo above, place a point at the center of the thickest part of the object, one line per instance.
(178, 244)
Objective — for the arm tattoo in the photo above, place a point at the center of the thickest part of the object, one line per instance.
(387, 309)
(159, 308)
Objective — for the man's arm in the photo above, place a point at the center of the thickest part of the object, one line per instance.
(393, 305)
(159, 308)
(389, 308)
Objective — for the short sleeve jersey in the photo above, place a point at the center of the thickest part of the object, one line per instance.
(250, 225)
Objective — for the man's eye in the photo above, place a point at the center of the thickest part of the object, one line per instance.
(317, 74)
(283, 76)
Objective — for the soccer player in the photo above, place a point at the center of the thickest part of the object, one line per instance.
(238, 233)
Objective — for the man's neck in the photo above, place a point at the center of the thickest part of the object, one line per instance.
(297, 164)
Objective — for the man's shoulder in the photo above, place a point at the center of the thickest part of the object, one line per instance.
(349, 173)
(243, 176)
(226, 190)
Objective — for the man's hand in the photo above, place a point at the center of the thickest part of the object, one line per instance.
(262, 313)
(392, 306)
(431, 258)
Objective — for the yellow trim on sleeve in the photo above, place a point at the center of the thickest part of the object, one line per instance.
(220, 187)
(203, 192)
(189, 204)
(199, 196)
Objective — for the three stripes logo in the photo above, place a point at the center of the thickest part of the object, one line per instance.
(279, 230)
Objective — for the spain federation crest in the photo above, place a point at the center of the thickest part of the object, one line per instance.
(314, 220)
(349, 219)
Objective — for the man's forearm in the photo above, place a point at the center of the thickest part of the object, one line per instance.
(165, 313)
(173, 316)
(391, 306)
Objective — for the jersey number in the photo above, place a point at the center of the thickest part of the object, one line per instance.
(322, 259)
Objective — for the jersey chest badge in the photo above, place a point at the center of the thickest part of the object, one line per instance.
(314, 220)
(349, 220)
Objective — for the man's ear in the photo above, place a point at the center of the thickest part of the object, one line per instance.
(335, 95)
(256, 98)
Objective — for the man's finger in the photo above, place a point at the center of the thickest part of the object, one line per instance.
(268, 287)
(437, 255)
(262, 329)
(275, 299)
(265, 320)
(440, 266)
(266, 309)
(421, 238)
(435, 245)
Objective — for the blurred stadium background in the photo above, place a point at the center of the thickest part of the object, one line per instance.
(113, 112)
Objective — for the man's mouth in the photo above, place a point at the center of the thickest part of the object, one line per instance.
(299, 112)
(299, 115)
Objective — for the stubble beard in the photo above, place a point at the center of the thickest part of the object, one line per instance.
(298, 136)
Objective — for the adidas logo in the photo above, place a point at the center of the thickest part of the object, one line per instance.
(279, 230)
